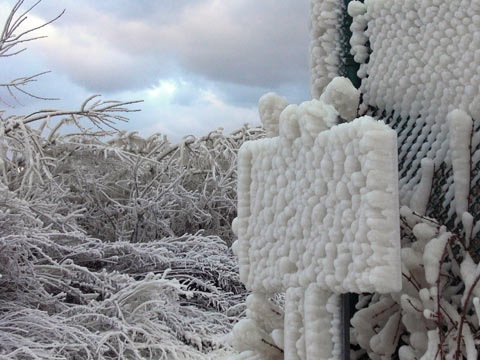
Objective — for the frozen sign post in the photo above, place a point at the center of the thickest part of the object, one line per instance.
(317, 217)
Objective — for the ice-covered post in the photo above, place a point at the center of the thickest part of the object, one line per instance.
(318, 213)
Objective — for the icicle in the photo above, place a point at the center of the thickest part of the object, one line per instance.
(343, 96)
(432, 257)
(469, 341)
(278, 337)
(407, 214)
(324, 48)
(460, 126)
(247, 336)
(266, 314)
(406, 353)
(385, 342)
(419, 201)
(235, 248)
(294, 323)
(476, 304)
(469, 271)
(433, 343)
(467, 222)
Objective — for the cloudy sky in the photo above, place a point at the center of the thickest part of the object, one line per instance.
(197, 64)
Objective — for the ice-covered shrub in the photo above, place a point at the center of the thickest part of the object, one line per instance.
(436, 315)
(137, 189)
(65, 295)
(109, 243)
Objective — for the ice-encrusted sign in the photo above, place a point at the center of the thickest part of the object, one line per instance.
(318, 213)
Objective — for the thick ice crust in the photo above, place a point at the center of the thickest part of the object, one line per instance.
(313, 318)
(325, 27)
(423, 64)
(320, 207)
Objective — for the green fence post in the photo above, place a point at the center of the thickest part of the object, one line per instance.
(348, 67)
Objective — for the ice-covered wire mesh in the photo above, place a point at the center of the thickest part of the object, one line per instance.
(441, 206)
(417, 63)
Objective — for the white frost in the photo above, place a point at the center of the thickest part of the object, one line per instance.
(385, 342)
(247, 336)
(467, 222)
(278, 337)
(267, 315)
(469, 271)
(321, 312)
(433, 343)
(469, 341)
(318, 215)
(476, 304)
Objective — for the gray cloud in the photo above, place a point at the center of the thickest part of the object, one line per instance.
(236, 49)
(130, 44)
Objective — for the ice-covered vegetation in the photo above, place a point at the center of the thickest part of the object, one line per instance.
(112, 246)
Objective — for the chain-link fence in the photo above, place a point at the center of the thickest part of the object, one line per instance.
(441, 205)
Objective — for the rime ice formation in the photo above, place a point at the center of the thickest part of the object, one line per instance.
(312, 318)
(318, 216)
(270, 107)
(423, 64)
(357, 10)
(343, 96)
(319, 207)
(324, 46)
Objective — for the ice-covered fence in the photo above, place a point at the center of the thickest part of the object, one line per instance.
(318, 213)
(325, 47)
(419, 62)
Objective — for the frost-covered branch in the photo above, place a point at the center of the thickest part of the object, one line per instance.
(19, 85)
(12, 34)
(99, 112)
(11, 37)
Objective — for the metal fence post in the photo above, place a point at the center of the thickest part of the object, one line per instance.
(348, 68)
